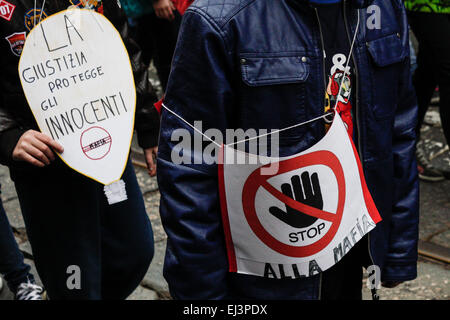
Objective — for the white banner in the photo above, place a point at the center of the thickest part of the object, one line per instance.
(78, 81)
(301, 219)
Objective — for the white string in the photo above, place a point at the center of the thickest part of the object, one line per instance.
(190, 125)
(287, 128)
(252, 138)
(348, 60)
(34, 17)
(96, 21)
(280, 130)
(42, 10)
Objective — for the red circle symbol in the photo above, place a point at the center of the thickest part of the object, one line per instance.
(256, 180)
(96, 143)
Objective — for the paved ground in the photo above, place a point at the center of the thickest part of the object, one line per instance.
(433, 279)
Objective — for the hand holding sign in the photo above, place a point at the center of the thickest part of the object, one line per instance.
(307, 192)
(36, 148)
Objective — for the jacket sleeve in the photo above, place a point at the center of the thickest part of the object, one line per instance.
(198, 90)
(147, 117)
(10, 129)
(10, 133)
(401, 260)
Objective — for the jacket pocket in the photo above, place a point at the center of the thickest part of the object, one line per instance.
(273, 91)
(386, 55)
(259, 71)
(387, 50)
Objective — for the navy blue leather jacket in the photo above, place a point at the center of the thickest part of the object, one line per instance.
(259, 64)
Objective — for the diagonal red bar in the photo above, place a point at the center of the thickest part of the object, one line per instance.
(303, 208)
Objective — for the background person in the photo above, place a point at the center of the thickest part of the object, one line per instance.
(155, 26)
(430, 22)
(68, 220)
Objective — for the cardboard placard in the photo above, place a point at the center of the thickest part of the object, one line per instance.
(77, 77)
(301, 219)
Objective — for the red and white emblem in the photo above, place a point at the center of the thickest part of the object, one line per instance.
(16, 42)
(95, 143)
(6, 10)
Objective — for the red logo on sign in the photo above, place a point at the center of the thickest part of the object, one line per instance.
(6, 10)
(256, 180)
(95, 143)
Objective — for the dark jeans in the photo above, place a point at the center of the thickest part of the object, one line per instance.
(157, 39)
(432, 30)
(12, 267)
(69, 223)
(343, 281)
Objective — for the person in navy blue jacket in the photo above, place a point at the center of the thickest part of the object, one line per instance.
(269, 64)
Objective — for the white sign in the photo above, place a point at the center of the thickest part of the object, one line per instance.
(78, 81)
(300, 220)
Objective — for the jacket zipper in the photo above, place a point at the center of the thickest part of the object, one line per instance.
(355, 67)
(324, 103)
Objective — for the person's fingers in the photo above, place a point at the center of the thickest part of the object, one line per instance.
(172, 15)
(162, 13)
(44, 148)
(36, 153)
(154, 156)
(169, 14)
(28, 158)
(28, 149)
(172, 9)
(165, 13)
(158, 13)
(50, 142)
(152, 172)
(151, 163)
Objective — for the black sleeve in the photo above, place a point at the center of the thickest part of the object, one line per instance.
(147, 117)
(10, 133)
(8, 141)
